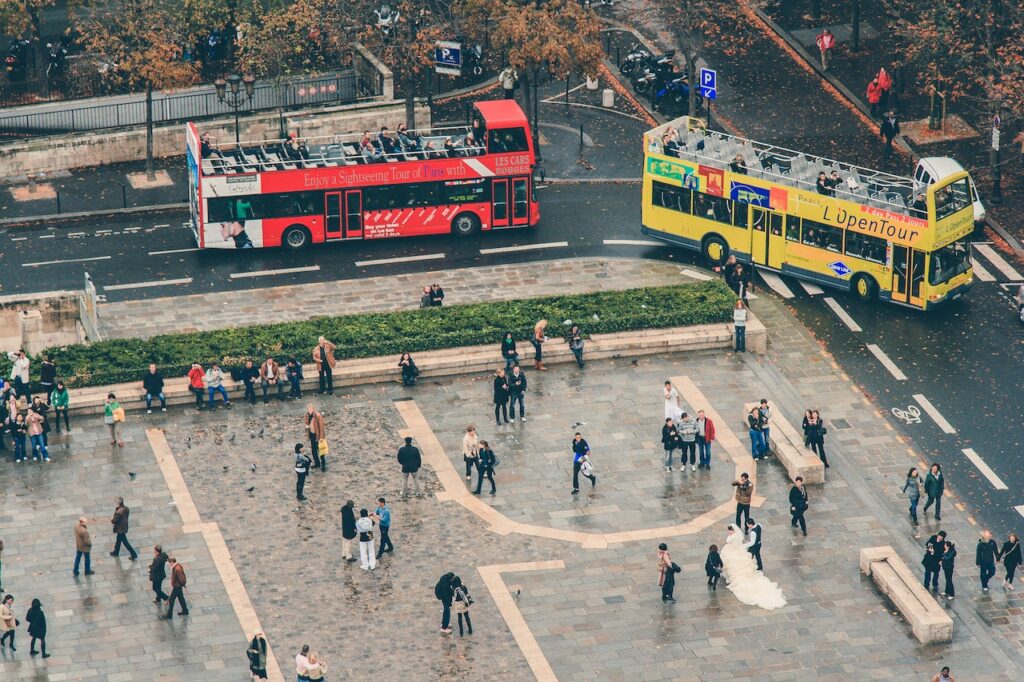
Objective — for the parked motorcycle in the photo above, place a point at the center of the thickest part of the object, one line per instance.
(57, 59)
(387, 19)
(16, 59)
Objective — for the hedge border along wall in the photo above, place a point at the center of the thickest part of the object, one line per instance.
(390, 333)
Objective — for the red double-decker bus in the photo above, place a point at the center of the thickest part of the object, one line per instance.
(302, 191)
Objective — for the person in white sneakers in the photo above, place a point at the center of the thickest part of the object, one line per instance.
(364, 526)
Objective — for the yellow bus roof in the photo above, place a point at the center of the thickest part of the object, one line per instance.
(786, 166)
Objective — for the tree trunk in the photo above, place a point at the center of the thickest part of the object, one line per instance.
(691, 78)
(524, 85)
(40, 56)
(855, 27)
(150, 175)
(816, 9)
(410, 101)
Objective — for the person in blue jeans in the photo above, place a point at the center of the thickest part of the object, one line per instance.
(912, 487)
(766, 423)
(35, 431)
(18, 430)
(215, 385)
(756, 436)
(83, 545)
(153, 384)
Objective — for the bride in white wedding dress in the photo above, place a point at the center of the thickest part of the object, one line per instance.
(742, 577)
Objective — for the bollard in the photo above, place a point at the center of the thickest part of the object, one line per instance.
(58, 201)
(608, 43)
(608, 98)
(124, 196)
(581, 135)
(592, 83)
(618, 60)
(567, 90)
(32, 183)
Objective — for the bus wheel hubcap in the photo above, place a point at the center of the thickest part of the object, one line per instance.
(862, 287)
(715, 250)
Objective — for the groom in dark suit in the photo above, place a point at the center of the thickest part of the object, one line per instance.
(753, 544)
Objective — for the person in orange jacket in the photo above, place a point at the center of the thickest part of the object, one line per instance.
(195, 383)
(874, 96)
(884, 82)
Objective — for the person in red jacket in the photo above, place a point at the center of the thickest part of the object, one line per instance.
(705, 437)
(826, 43)
(874, 96)
(884, 82)
(195, 383)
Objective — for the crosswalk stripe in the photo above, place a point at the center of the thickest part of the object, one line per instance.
(776, 283)
(981, 273)
(811, 288)
(998, 261)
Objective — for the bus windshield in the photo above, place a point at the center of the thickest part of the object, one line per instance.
(950, 261)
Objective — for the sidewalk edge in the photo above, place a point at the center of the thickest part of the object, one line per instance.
(32, 221)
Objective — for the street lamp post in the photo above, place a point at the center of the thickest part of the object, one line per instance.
(235, 91)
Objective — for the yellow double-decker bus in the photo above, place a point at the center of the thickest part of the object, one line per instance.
(877, 235)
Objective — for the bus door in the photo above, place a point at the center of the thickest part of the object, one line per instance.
(353, 227)
(500, 203)
(521, 201)
(768, 243)
(907, 275)
(510, 202)
(332, 211)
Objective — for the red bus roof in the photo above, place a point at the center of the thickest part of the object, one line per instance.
(501, 113)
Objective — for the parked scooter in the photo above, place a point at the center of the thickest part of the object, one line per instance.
(633, 60)
(387, 19)
(16, 59)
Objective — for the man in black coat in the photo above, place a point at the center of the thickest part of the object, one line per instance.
(889, 129)
(157, 573)
(798, 504)
(754, 540)
(409, 458)
(348, 530)
(153, 383)
(985, 558)
(671, 440)
(516, 390)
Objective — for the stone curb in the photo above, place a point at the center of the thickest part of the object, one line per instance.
(31, 221)
(450, 362)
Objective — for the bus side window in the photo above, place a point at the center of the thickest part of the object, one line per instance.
(739, 215)
(792, 228)
(507, 140)
(823, 236)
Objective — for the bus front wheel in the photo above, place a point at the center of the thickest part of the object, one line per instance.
(864, 287)
(465, 224)
(295, 237)
(715, 250)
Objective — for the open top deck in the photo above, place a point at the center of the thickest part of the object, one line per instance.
(783, 166)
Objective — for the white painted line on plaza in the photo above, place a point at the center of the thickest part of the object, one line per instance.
(161, 253)
(403, 259)
(282, 271)
(147, 285)
(980, 272)
(842, 314)
(47, 236)
(632, 242)
(998, 261)
(18, 239)
(886, 362)
(934, 414)
(985, 470)
(1020, 509)
(58, 262)
(525, 247)
(696, 274)
(776, 283)
(76, 234)
(811, 288)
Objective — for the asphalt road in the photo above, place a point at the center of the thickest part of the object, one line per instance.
(962, 361)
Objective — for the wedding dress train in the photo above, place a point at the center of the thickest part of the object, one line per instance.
(742, 577)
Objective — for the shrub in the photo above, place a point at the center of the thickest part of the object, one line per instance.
(391, 333)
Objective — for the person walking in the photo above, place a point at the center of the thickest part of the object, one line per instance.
(508, 351)
(889, 129)
(195, 383)
(250, 375)
(8, 623)
(35, 421)
(1010, 555)
(470, 450)
(705, 437)
(666, 573)
(485, 464)
(444, 593)
(874, 96)
(538, 339)
(798, 504)
(348, 530)
(59, 398)
(944, 675)
(932, 562)
(885, 86)
(317, 668)
(744, 491)
(153, 384)
(670, 440)
(113, 417)
(516, 391)
(461, 603)
(302, 463)
(120, 523)
(157, 573)
(302, 664)
(826, 42)
(912, 488)
(317, 437)
(47, 376)
(178, 582)
(257, 653)
(753, 544)
(83, 546)
(508, 78)
(36, 620)
(270, 373)
(383, 515)
(323, 357)
(687, 429)
(948, 564)
(367, 556)
(500, 397)
(985, 557)
(739, 321)
(214, 385)
(409, 458)
(713, 567)
(816, 431)
(580, 454)
(934, 486)
(575, 340)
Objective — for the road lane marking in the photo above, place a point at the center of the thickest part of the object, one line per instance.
(632, 242)
(281, 271)
(147, 285)
(811, 288)
(985, 470)
(47, 236)
(76, 234)
(1020, 509)
(162, 225)
(776, 283)
(161, 253)
(104, 231)
(998, 261)
(18, 239)
(886, 362)
(842, 314)
(403, 259)
(58, 262)
(524, 247)
(934, 414)
(983, 274)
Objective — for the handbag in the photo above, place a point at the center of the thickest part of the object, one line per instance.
(119, 414)
(322, 447)
(675, 568)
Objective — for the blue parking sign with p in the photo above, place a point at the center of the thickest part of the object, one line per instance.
(708, 83)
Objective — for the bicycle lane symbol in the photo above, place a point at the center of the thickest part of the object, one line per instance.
(911, 415)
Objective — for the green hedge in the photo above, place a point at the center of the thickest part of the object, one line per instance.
(390, 333)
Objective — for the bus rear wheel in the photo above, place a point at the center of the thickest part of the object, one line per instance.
(295, 238)
(465, 224)
(715, 250)
(864, 287)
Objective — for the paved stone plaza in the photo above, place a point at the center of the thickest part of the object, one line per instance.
(583, 566)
